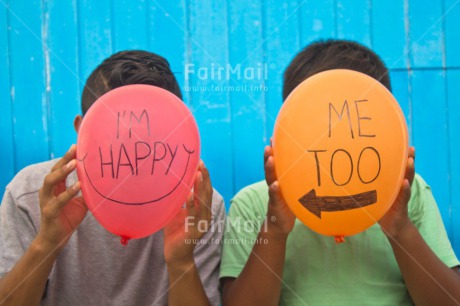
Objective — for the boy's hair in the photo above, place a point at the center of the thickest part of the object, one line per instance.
(125, 68)
(333, 54)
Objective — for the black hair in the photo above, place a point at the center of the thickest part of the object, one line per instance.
(125, 68)
(333, 54)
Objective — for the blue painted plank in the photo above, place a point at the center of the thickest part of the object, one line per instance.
(95, 41)
(425, 33)
(430, 133)
(400, 84)
(247, 94)
(61, 68)
(281, 44)
(353, 20)
(452, 32)
(28, 83)
(317, 21)
(6, 116)
(167, 36)
(209, 102)
(129, 25)
(453, 107)
(388, 32)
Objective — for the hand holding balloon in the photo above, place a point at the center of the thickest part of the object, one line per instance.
(394, 222)
(61, 211)
(279, 217)
(191, 223)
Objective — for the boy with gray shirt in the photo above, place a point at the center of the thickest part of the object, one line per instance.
(55, 253)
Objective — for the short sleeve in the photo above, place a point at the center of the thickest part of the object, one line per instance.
(209, 250)
(16, 233)
(425, 215)
(245, 218)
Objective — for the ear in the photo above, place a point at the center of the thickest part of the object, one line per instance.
(77, 122)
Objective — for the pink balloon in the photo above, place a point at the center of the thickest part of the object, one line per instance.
(138, 149)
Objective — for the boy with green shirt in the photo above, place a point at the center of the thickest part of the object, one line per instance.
(404, 259)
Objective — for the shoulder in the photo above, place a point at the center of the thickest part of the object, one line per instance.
(420, 192)
(30, 179)
(251, 199)
(419, 184)
(20, 209)
(254, 191)
(422, 205)
(218, 205)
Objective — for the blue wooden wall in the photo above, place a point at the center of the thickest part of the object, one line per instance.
(48, 48)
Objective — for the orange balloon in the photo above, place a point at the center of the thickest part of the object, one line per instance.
(340, 147)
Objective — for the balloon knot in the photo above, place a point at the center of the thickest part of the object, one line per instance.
(124, 240)
(339, 239)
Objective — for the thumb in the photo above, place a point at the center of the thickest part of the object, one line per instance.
(275, 195)
(401, 203)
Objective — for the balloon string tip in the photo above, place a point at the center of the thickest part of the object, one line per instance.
(124, 241)
(339, 239)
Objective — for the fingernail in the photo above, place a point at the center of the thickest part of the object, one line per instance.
(201, 177)
(407, 184)
(71, 164)
(76, 186)
(411, 162)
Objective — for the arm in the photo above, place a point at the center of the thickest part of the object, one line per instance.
(25, 283)
(180, 239)
(185, 286)
(428, 279)
(61, 213)
(260, 281)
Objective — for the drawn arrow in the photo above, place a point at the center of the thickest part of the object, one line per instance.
(316, 204)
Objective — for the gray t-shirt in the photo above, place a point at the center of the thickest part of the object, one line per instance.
(94, 268)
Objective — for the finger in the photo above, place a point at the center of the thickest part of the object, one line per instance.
(205, 172)
(200, 165)
(274, 193)
(403, 196)
(59, 188)
(270, 175)
(268, 151)
(62, 199)
(411, 152)
(205, 199)
(190, 204)
(208, 191)
(68, 156)
(53, 178)
(205, 175)
(80, 201)
(410, 170)
(200, 195)
(202, 192)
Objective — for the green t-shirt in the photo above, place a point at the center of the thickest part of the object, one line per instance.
(317, 271)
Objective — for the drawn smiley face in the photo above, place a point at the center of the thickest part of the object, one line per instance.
(121, 174)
